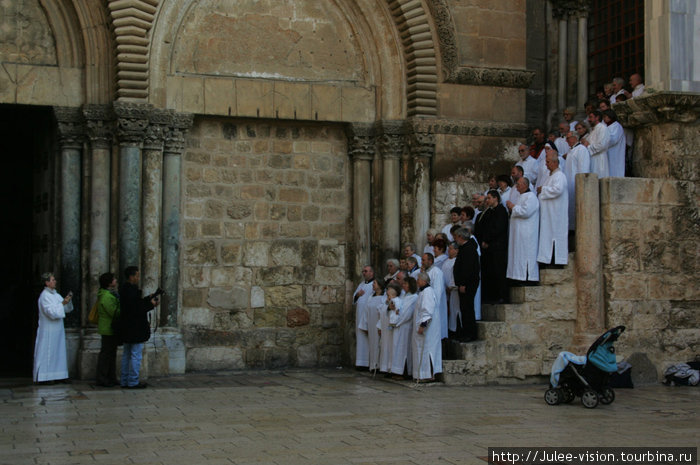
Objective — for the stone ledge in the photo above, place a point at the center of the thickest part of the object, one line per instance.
(655, 108)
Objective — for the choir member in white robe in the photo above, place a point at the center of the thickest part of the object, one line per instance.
(568, 114)
(430, 237)
(386, 331)
(617, 145)
(597, 144)
(477, 296)
(360, 298)
(438, 285)
(554, 217)
(427, 345)
(401, 359)
(516, 172)
(578, 160)
(450, 288)
(50, 361)
(375, 304)
(560, 142)
(523, 235)
(528, 164)
(455, 212)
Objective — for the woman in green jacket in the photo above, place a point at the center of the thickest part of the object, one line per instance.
(107, 309)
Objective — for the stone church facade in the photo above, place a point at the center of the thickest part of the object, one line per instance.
(251, 156)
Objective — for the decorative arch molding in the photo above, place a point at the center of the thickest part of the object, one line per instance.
(132, 21)
(99, 58)
(470, 75)
(413, 24)
(65, 26)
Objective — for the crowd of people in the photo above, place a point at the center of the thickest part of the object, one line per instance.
(522, 222)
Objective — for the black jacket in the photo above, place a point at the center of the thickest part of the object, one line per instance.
(492, 227)
(134, 326)
(466, 269)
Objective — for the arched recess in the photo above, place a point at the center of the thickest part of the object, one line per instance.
(373, 26)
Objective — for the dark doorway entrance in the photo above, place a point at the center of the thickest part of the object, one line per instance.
(27, 192)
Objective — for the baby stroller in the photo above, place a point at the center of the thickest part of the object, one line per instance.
(585, 376)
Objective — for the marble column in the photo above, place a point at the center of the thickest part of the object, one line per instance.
(132, 121)
(590, 305)
(361, 148)
(391, 144)
(99, 120)
(582, 61)
(172, 188)
(71, 133)
(159, 121)
(422, 146)
(561, 69)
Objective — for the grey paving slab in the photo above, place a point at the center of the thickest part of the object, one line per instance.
(320, 417)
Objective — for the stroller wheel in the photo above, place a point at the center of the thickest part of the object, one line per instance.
(552, 396)
(589, 398)
(569, 395)
(607, 396)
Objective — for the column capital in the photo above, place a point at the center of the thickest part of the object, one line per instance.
(132, 121)
(361, 141)
(71, 126)
(99, 120)
(158, 123)
(562, 9)
(421, 140)
(175, 135)
(391, 138)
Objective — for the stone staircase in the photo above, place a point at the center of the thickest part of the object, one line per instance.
(518, 341)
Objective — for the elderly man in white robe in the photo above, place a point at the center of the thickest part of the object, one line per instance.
(617, 145)
(523, 235)
(360, 298)
(578, 160)
(528, 164)
(597, 144)
(453, 313)
(437, 281)
(427, 346)
(50, 363)
(554, 218)
(375, 304)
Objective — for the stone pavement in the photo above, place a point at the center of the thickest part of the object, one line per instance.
(320, 417)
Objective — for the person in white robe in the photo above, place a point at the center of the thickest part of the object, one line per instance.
(637, 86)
(542, 170)
(451, 289)
(568, 114)
(374, 306)
(360, 298)
(440, 247)
(578, 160)
(523, 235)
(430, 237)
(455, 212)
(477, 296)
(617, 145)
(554, 217)
(504, 187)
(50, 362)
(528, 163)
(516, 172)
(401, 360)
(386, 331)
(560, 141)
(427, 345)
(438, 285)
(597, 144)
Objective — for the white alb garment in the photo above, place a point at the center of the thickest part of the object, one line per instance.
(361, 336)
(577, 161)
(437, 282)
(50, 360)
(616, 150)
(427, 347)
(554, 219)
(401, 353)
(599, 140)
(523, 239)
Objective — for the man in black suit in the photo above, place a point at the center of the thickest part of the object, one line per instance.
(466, 274)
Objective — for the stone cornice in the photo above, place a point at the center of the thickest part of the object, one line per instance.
(470, 75)
(562, 9)
(656, 108)
(470, 128)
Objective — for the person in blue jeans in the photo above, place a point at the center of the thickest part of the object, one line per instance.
(134, 327)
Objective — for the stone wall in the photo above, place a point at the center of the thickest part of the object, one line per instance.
(266, 208)
(650, 232)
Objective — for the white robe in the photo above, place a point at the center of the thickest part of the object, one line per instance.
(477, 296)
(362, 340)
(386, 340)
(452, 294)
(514, 196)
(401, 354)
(427, 347)
(437, 282)
(505, 195)
(543, 172)
(529, 166)
(562, 145)
(446, 231)
(572, 126)
(616, 150)
(523, 238)
(50, 360)
(554, 219)
(599, 139)
(373, 308)
(439, 260)
(577, 161)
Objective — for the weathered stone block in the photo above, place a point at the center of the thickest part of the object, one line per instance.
(215, 358)
(283, 296)
(330, 275)
(295, 230)
(256, 254)
(285, 252)
(269, 317)
(230, 254)
(197, 276)
(320, 294)
(211, 229)
(201, 253)
(239, 211)
(193, 297)
(236, 298)
(196, 316)
(275, 276)
(234, 230)
(297, 317)
(307, 356)
(257, 297)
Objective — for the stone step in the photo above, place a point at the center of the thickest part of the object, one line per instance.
(559, 294)
(553, 276)
(503, 312)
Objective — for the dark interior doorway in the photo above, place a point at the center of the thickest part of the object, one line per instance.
(26, 135)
